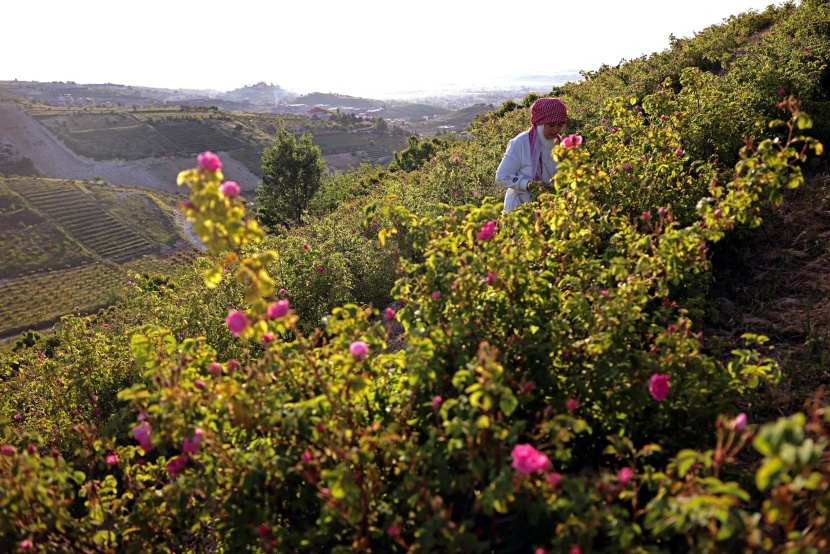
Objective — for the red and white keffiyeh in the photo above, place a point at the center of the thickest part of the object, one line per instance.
(544, 110)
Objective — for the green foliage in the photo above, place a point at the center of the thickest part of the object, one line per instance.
(416, 154)
(550, 328)
(292, 172)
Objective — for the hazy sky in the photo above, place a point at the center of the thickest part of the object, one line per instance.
(359, 47)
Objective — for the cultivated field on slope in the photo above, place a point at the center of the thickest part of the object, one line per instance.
(71, 245)
(137, 134)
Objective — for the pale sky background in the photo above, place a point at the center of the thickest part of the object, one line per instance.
(357, 47)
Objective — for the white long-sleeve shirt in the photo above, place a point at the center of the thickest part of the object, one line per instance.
(516, 170)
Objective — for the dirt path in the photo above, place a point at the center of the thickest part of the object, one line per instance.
(187, 228)
(52, 159)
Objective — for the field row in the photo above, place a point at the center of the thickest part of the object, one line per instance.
(41, 299)
(66, 204)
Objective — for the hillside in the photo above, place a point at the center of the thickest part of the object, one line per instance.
(635, 360)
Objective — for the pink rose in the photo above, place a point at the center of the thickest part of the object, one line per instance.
(112, 459)
(191, 445)
(319, 270)
(678, 153)
(306, 456)
(305, 247)
(456, 160)
(739, 423)
(571, 405)
(393, 530)
(646, 216)
(436, 295)
(782, 92)
(492, 277)
(487, 231)
(229, 189)
(436, 402)
(527, 459)
(658, 386)
(359, 350)
(263, 530)
(215, 369)
(237, 321)
(209, 161)
(782, 105)
(278, 309)
(26, 544)
(141, 433)
(176, 465)
(572, 141)
(282, 292)
(389, 314)
(8, 450)
(625, 475)
(199, 384)
(267, 338)
(554, 479)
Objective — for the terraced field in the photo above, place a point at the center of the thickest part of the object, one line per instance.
(36, 301)
(71, 245)
(72, 208)
(192, 137)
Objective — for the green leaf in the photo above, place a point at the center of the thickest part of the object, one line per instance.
(141, 349)
(803, 121)
(767, 471)
(213, 276)
(508, 403)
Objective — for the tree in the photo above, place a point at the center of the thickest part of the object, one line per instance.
(292, 173)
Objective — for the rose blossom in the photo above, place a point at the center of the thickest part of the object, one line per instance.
(625, 475)
(112, 459)
(739, 423)
(527, 459)
(141, 433)
(209, 161)
(436, 402)
(176, 465)
(487, 231)
(389, 314)
(237, 321)
(278, 309)
(359, 350)
(658, 386)
(229, 189)
(267, 338)
(571, 405)
(572, 141)
(191, 445)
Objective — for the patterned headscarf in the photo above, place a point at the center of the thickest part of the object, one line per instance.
(544, 110)
(548, 110)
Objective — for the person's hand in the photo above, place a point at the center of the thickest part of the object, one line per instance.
(536, 188)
